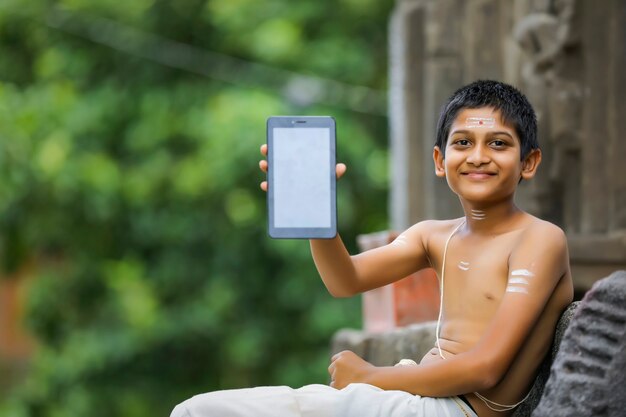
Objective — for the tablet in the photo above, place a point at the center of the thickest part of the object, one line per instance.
(301, 177)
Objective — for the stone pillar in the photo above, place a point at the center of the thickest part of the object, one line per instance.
(405, 107)
(616, 115)
(595, 184)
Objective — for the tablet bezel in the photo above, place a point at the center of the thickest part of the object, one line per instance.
(302, 122)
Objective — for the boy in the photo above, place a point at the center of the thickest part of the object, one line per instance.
(504, 277)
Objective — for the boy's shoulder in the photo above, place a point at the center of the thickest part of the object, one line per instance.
(431, 234)
(541, 236)
(539, 229)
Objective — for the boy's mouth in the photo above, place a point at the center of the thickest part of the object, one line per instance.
(478, 175)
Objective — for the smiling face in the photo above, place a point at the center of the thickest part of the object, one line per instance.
(482, 157)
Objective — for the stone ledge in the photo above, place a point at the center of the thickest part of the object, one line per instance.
(387, 348)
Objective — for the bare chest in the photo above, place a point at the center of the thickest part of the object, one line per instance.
(475, 274)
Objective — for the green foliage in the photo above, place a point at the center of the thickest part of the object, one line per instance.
(133, 186)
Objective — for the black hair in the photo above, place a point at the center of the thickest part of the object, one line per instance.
(514, 107)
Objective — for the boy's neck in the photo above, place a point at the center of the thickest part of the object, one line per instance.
(490, 219)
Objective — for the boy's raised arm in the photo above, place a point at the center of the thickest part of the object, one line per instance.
(346, 275)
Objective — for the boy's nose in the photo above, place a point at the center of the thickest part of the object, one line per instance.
(478, 156)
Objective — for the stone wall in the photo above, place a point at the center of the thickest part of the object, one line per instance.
(568, 57)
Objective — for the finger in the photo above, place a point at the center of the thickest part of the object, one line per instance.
(263, 165)
(340, 170)
(337, 355)
(331, 371)
(264, 186)
(264, 149)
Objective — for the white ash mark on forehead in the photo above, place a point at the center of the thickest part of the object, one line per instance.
(488, 122)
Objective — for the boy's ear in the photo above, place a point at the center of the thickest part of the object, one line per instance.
(440, 170)
(531, 163)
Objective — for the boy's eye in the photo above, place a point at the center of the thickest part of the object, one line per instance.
(462, 142)
(498, 143)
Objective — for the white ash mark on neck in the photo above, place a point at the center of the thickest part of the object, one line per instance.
(478, 214)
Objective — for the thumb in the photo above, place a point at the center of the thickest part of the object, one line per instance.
(340, 170)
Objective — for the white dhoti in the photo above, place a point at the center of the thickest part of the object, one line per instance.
(358, 400)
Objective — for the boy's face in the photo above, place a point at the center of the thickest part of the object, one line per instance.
(482, 157)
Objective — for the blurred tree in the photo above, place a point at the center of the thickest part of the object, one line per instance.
(129, 136)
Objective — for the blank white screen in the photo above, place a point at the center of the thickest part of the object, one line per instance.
(302, 192)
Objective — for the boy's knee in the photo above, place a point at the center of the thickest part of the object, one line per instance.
(180, 411)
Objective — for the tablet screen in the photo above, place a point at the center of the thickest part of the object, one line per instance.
(301, 177)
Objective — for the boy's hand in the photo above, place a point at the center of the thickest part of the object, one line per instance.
(340, 169)
(347, 367)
